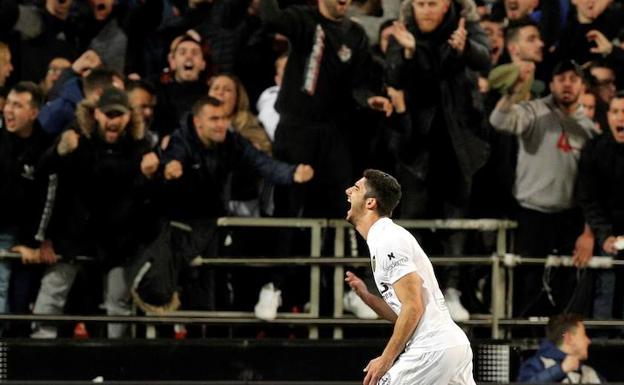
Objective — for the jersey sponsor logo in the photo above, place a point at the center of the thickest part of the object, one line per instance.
(344, 53)
(385, 286)
(398, 262)
(391, 256)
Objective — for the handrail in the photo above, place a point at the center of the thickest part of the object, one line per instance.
(266, 261)
(314, 261)
(444, 224)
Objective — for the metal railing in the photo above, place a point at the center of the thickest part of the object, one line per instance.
(502, 265)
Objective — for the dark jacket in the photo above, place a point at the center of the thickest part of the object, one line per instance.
(441, 93)
(205, 186)
(545, 367)
(122, 34)
(575, 45)
(600, 186)
(174, 100)
(41, 37)
(23, 189)
(58, 114)
(101, 194)
(328, 65)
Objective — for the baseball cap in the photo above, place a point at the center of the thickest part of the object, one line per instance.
(567, 65)
(113, 99)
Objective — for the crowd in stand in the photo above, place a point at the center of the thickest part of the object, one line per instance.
(127, 127)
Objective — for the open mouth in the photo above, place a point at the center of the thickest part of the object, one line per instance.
(619, 129)
(101, 7)
(513, 6)
(188, 66)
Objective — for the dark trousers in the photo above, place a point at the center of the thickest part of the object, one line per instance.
(539, 291)
(325, 147)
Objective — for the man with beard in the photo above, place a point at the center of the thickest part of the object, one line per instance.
(104, 169)
(551, 132)
(426, 346)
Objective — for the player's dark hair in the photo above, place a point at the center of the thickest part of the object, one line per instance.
(385, 189)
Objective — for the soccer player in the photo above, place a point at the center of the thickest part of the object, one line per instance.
(426, 346)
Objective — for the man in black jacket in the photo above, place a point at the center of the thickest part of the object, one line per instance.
(434, 59)
(198, 167)
(22, 192)
(327, 74)
(104, 170)
(600, 192)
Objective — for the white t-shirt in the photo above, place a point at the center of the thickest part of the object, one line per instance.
(395, 253)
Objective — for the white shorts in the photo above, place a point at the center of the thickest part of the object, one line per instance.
(451, 366)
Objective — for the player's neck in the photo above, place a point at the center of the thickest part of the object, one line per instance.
(366, 222)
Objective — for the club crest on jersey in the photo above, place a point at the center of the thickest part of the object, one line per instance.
(373, 263)
(344, 53)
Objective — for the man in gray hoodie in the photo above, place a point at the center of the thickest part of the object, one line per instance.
(551, 132)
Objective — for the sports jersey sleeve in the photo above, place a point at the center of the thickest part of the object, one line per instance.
(394, 255)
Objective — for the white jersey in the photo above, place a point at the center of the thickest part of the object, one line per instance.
(396, 253)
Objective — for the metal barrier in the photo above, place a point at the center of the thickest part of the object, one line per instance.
(339, 261)
(501, 263)
(510, 261)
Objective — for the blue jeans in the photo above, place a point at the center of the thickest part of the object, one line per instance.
(6, 242)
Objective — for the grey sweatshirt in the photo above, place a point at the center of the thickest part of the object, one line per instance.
(550, 144)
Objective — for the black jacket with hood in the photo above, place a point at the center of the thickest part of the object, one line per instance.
(441, 93)
(101, 198)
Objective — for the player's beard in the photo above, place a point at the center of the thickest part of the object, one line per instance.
(355, 212)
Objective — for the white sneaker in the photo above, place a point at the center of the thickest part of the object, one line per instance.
(456, 309)
(268, 302)
(44, 332)
(354, 304)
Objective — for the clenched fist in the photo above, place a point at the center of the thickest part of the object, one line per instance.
(173, 170)
(68, 143)
(149, 164)
(303, 173)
